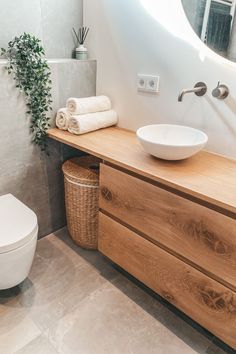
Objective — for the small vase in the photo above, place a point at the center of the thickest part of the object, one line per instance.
(81, 53)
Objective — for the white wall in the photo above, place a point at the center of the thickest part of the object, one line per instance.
(154, 37)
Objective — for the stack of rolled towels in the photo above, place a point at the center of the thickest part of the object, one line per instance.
(83, 115)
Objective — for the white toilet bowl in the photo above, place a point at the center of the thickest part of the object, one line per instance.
(18, 239)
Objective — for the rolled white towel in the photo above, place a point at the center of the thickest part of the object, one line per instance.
(81, 124)
(62, 119)
(88, 105)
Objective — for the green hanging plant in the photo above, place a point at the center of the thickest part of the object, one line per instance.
(31, 72)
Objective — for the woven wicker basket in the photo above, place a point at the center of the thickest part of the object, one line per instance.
(81, 176)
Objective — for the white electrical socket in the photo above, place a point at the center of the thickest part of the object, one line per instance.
(148, 83)
(152, 84)
(141, 82)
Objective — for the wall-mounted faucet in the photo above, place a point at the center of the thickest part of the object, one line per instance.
(220, 92)
(199, 89)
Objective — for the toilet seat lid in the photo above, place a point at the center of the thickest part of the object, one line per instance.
(18, 223)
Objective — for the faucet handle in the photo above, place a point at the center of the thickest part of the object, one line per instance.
(200, 89)
(221, 91)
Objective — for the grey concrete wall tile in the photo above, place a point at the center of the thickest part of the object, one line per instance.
(51, 21)
(17, 17)
(70, 80)
(30, 175)
(58, 18)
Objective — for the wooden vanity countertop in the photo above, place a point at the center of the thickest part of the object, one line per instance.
(209, 177)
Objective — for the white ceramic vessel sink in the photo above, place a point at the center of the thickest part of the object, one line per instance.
(171, 142)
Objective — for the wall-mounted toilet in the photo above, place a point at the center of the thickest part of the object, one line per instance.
(18, 239)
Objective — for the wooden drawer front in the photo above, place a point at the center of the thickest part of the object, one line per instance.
(202, 298)
(200, 235)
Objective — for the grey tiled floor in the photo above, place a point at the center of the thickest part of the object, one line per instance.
(75, 301)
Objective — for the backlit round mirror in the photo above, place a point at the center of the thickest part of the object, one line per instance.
(214, 22)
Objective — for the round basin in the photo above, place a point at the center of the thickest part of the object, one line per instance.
(171, 142)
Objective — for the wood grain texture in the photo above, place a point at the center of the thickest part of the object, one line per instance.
(196, 233)
(203, 299)
(207, 176)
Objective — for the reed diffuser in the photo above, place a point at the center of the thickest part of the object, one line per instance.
(81, 51)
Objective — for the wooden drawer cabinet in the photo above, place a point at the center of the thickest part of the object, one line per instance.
(179, 248)
(200, 236)
(206, 301)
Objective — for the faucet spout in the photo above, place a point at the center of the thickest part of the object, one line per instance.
(199, 89)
